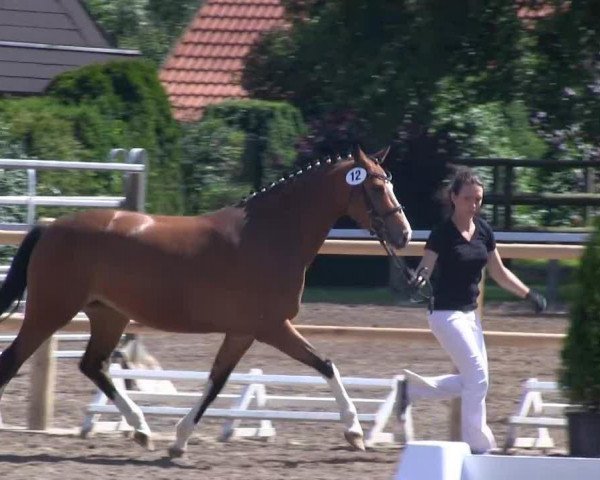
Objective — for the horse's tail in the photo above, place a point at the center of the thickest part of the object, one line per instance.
(16, 279)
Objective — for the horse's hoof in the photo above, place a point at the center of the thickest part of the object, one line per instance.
(143, 439)
(356, 440)
(176, 452)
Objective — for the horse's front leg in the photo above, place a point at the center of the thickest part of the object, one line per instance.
(348, 414)
(230, 353)
(286, 338)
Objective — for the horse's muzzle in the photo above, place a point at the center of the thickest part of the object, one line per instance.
(401, 241)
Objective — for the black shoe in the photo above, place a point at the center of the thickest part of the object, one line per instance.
(402, 400)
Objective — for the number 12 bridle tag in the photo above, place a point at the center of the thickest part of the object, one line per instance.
(356, 176)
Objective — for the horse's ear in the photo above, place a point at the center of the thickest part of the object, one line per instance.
(381, 155)
(361, 157)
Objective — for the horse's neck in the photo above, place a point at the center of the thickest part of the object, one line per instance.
(315, 206)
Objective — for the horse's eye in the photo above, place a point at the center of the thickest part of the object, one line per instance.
(378, 188)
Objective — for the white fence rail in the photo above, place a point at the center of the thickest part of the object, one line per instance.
(503, 237)
(61, 338)
(134, 182)
(536, 412)
(253, 394)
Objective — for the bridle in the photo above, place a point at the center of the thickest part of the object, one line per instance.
(377, 225)
(377, 220)
(378, 228)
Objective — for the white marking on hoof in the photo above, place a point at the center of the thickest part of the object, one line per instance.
(355, 440)
(176, 452)
(143, 439)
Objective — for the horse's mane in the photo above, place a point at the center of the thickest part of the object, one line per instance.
(292, 176)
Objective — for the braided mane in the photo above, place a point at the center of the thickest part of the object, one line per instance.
(290, 177)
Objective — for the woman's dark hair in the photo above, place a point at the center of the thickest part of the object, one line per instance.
(462, 176)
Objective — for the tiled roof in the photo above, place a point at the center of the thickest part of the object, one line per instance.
(206, 64)
(530, 11)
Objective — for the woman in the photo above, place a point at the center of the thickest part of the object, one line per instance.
(460, 247)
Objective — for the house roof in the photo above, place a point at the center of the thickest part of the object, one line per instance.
(206, 64)
(40, 39)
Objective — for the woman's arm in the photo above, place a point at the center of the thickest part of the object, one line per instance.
(504, 277)
(427, 264)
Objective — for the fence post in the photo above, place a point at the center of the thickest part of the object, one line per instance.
(508, 193)
(135, 183)
(496, 190)
(589, 188)
(41, 391)
(31, 192)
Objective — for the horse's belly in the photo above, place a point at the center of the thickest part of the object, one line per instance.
(175, 296)
(181, 308)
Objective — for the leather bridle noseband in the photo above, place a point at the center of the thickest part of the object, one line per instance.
(377, 219)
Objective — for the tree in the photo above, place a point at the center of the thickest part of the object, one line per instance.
(384, 59)
(441, 79)
(152, 26)
(580, 372)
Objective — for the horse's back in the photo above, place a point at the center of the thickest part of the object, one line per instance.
(149, 267)
(154, 268)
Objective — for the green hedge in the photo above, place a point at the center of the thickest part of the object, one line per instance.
(212, 153)
(239, 145)
(43, 128)
(580, 372)
(129, 97)
(271, 128)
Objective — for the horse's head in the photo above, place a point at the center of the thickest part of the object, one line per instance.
(373, 203)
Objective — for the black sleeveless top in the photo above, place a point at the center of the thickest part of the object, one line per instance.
(459, 264)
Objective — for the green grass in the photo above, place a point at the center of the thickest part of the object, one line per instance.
(350, 295)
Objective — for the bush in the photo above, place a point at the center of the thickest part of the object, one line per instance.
(129, 95)
(45, 129)
(12, 182)
(272, 130)
(212, 155)
(580, 373)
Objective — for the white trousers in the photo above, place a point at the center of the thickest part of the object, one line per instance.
(461, 336)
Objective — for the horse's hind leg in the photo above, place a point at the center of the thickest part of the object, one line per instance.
(37, 327)
(230, 353)
(106, 327)
(286, 338)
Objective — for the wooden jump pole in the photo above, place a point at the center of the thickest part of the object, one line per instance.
(41, 387)
(539, 251)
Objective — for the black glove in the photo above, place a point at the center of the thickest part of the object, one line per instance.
(537, 300)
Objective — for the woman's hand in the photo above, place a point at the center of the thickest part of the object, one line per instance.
(418, 279)
(537, 300)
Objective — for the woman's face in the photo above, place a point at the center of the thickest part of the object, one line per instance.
(468, 200)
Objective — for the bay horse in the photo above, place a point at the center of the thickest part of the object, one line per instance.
(238, 271)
